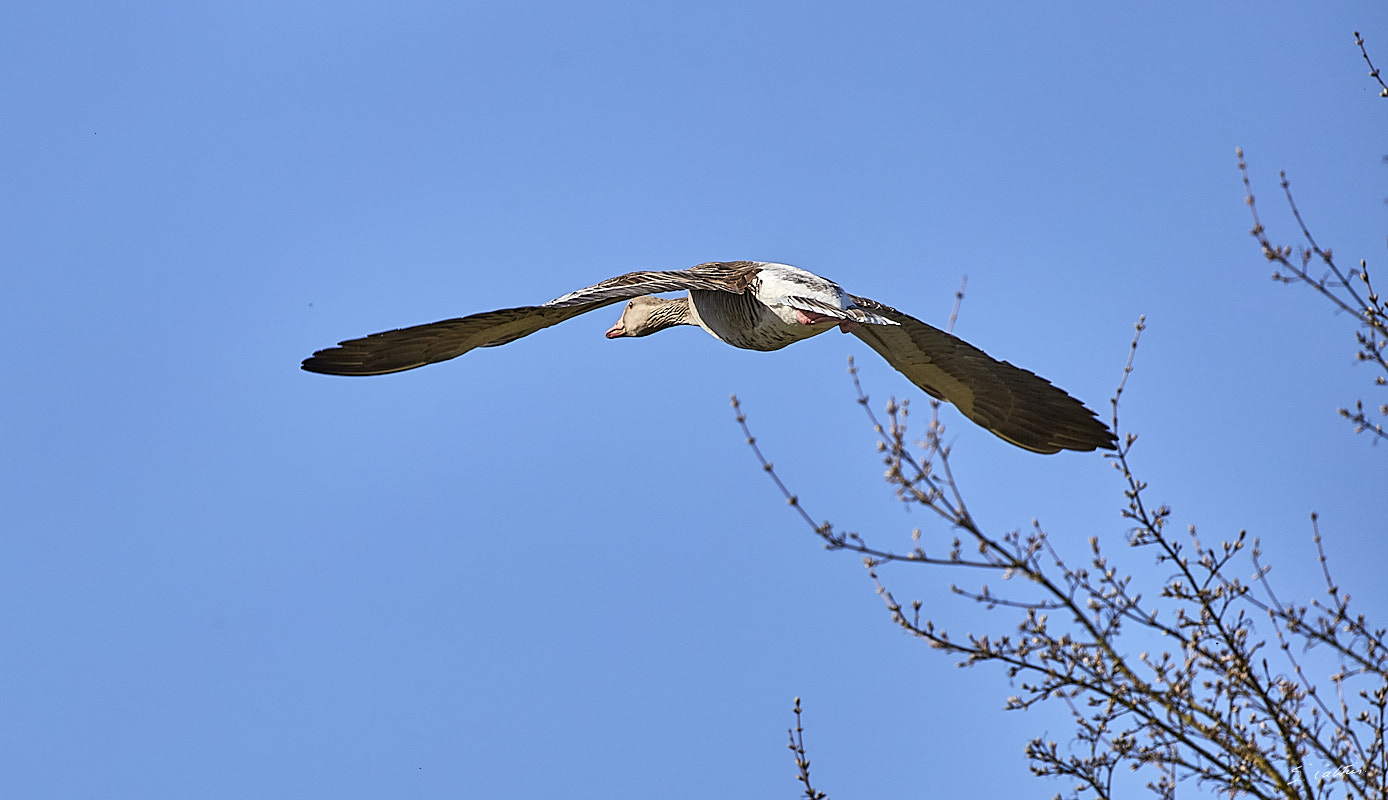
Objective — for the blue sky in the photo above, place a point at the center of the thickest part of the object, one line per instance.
(554, 568)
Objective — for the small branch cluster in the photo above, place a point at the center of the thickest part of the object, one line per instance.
(1351, 292)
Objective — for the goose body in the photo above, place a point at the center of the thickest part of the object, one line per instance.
(760, 306)
(780, 306)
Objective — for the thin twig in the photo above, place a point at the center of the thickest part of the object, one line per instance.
(1373, 71)
(802, 761)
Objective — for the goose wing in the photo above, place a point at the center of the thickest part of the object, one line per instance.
(1014, 404)
(407, 348)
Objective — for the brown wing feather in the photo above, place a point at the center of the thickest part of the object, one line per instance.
(1014, 404)
(407, 348)
(730, 276)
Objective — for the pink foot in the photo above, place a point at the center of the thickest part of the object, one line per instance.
(811, 317)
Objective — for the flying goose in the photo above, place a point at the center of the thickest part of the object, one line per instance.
(760, 306)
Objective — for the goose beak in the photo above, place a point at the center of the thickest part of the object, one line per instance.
(616, 331)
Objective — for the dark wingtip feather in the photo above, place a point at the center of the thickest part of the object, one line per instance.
(362, 357)
(1044, 418)
(335, 361)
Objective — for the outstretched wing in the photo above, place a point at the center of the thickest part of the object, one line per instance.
(407, 348)
(1014, 404)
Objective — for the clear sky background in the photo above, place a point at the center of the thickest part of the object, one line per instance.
(554, 568)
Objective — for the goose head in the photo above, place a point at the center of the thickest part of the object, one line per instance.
(648, 314)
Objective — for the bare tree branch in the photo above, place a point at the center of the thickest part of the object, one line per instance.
(1352, 293)
(802, 761)
(1373, 71)
(1213, 705)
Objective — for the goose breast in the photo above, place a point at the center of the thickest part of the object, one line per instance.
(743, 320)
